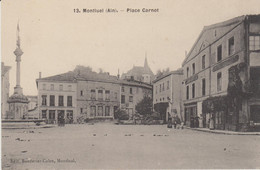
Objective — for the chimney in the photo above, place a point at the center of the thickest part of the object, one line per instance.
(186, 53)
(118, 75)
(40, 75)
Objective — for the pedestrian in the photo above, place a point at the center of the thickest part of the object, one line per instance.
(182, 124)
(174, 123)
(169, 125)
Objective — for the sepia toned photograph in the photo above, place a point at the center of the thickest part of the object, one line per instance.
(130, 84)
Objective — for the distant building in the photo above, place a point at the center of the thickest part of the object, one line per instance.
(132, 92)
(167, 95)
(5, 86)
(33, 101)
(33, 111)
(138, 73)
(221, 75)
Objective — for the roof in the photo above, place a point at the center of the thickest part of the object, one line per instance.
(69, 76)
(230, 22)
(176, 72)
(136, 83)
(73, 76)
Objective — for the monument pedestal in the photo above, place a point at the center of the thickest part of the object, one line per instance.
(18, 105)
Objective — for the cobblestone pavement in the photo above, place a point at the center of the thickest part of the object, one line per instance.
(126, 146)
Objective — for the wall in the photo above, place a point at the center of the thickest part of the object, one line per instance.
(84, 102)
(138, 92)
(5, 86)
(57, 92)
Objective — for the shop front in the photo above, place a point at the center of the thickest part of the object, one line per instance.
(190, 115)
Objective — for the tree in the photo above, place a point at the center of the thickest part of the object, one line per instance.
(121, 114)
(101, 70)
(79, 69)
(160, 72)
(144, 107)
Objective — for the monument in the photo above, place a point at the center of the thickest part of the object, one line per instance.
(18, 103)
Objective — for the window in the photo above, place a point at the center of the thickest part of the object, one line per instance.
(52, 86)
(52, 100)
(44, 114)
(187, 71)
(160, 87)
(93, 94)
(231, 46)
(44, 100)
(61, 101)
(254, 42)
(44, 86)
(156, 89)
(219, 53)
(69, 87)
(137, 90)
(107, 111)
(163, 87)
(69, 100)
(203, 87)
(122, 99)
(116, 95)
(130, 98)
(168, 85)
(81, 110)
(81, 92)
(52, 114)
(219, 81)
(123, 89)
(93, 111)
(61, 87)
(131, 91)
(193, 68)
(100, 110)
(193, 90)
(107, 94)
(203, 62)
(187, 92)
(100, 94)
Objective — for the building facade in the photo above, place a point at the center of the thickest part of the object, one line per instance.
(57, 98)
(5, 87)
(97, 99)
(33, 111)
(220, 75)
(167, 95)
(132, 92)
(78, 94)
(33, 102)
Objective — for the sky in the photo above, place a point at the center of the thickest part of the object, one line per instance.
(55, 39)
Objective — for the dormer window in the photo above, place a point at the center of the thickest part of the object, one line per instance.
(193, 68)
(219, 53)
(231, 46)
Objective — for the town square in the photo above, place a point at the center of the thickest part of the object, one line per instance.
(109, 146)
(130, 85)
